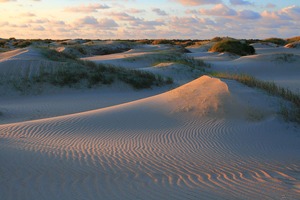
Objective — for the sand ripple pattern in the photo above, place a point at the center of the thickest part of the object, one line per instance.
(139, 151)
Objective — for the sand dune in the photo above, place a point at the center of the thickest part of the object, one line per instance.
(275, 64)
(182, 144)
(23, 63)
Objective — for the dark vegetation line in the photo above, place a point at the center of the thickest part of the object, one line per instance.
(291, 114)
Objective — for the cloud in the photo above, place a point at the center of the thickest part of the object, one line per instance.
(292, 11)
(29, 14)
(122, 16)
(136, 11)
(189, 11)
(39, 28)
(38, 21)
(248, 14)
(92, 21)
(88, 20)
(86, 9)
(159, 12)
(270, 5)
(288, 13)
(198, 2)
(219, 10)
(240, 2)
(107, 23)
(4, 1)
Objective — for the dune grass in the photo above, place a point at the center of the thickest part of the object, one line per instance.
(278, 41)
(76, 71)
(293, 39)
(172, 57)
(233, 46)
(291, 114)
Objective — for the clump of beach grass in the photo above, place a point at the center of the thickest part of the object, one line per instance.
(233, 46)
(277, 41)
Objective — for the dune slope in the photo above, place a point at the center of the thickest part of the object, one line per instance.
(182, 144)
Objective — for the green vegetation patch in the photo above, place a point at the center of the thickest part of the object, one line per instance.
(278, 41)
(233, 46)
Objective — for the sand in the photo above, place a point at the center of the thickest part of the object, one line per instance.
(274, 64)
(207, 139)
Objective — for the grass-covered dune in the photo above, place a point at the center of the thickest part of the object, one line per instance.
(233, 46)
(76, 71)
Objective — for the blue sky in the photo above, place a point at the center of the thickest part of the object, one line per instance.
(138, 19)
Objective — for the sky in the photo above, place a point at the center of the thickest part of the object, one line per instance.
(149, 19)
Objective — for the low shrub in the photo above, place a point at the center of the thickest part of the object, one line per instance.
(2, 43)
(21, 43)
(233, 46)
(278, 41)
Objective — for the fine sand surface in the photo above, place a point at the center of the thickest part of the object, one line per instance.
(207, 139)
(275, 64)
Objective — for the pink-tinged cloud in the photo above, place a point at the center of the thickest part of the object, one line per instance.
(288, 13)
(248, 14)
(136, 11)
(240, 2)
(292, 11)
(198, 2)
(275, 15)
(219, 10)
(86, 9)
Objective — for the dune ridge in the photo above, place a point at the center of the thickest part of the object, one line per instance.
(173, 146)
